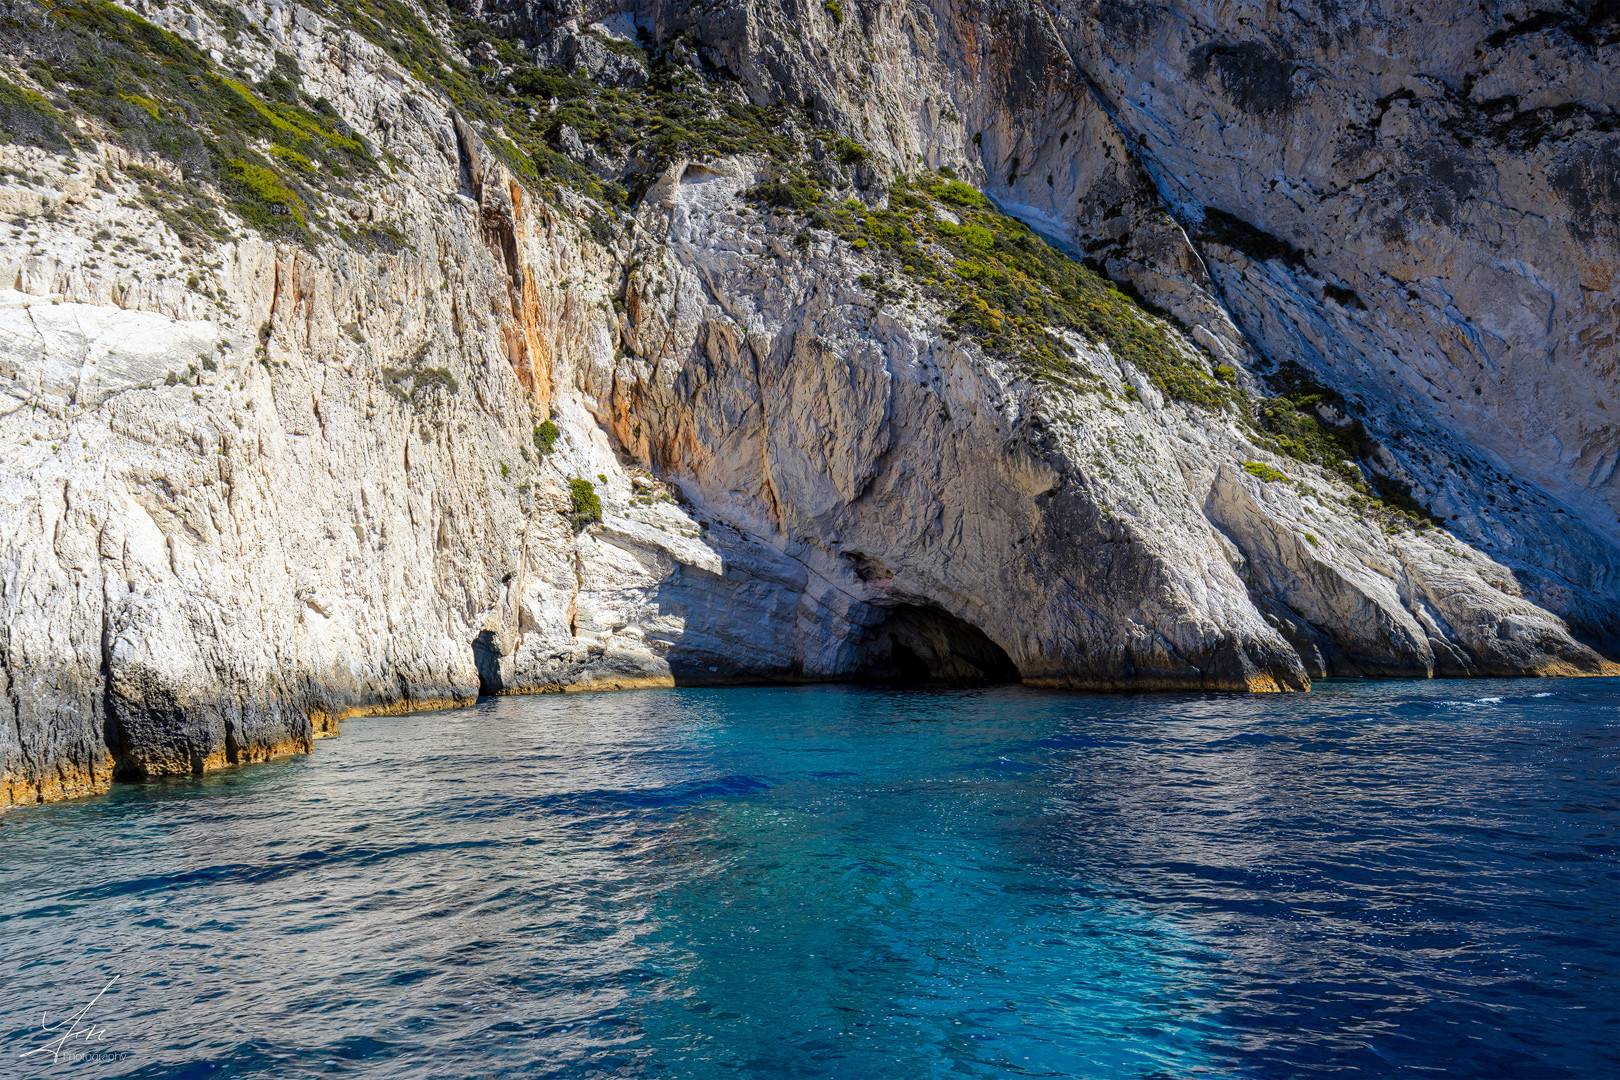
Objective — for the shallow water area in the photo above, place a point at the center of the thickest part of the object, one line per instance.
(1381, 879)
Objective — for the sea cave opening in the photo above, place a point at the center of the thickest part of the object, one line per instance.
(487, 658)
(920, 643)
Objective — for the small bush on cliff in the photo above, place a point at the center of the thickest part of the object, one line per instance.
(959, 194)
(261, 195)
(418, 386)
(849, 152)
(1263, 471)
(786, 194)
(545, 437)
(585, 506)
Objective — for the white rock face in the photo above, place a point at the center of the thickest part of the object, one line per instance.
(1418, 205)
(247, 491)
(1107, 546)
(1420, 158)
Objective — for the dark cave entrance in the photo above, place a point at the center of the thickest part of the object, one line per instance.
(487, 658)
(924, 644)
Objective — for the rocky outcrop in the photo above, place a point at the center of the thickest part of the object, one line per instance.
(906, 470)
(250, 486)
(1414, 204)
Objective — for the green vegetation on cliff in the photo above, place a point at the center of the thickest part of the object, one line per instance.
(633, 133)
(585, 506)
(1012, 292)
(1291, 424)
(545, 437)
(277, 155)
(272, 150)
(28, 117)
(1009, 290)
(1260, 470)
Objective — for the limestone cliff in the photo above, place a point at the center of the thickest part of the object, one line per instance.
(358, 357)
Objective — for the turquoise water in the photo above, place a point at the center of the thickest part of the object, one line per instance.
(1374, 880)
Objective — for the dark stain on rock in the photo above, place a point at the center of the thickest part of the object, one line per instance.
(1130, 24)
(1440, 182)
(1231, 231)
(1587, 177)
(1345, 298)
(1026, 58)
(1590, 23)
(1254, 77)
(1500, 122)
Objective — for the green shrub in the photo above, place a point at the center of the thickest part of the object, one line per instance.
(836, 10)
(880, 230)
(26, 117)
(978, 236)
(417, 385)
(787, 194)
(959, 194)
(849, 152)
(545, 437)
(263, 195)
(584, 505)
(293, 158)
(1263, 471)
(1297, 431)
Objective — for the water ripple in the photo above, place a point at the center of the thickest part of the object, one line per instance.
(1378, 880)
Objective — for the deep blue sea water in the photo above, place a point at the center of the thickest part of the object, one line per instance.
(1373, 880)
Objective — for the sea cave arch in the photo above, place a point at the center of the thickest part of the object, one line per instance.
(922, 643)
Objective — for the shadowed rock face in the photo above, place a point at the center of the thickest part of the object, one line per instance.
(315, 483)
